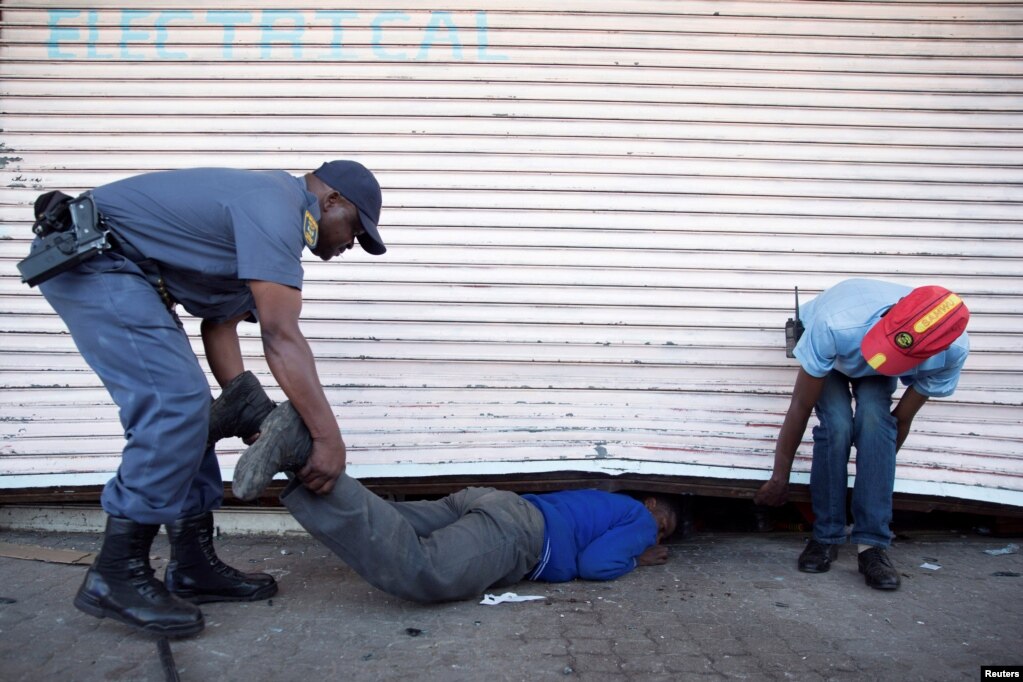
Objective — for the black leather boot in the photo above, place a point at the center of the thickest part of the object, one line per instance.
(197, 574)
(120, 585)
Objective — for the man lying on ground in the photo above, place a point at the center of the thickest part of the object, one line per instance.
(457, 547)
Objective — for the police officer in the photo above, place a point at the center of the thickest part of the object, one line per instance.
(861, 337)
(226, 245)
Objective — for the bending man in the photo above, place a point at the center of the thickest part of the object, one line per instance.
(861, 337)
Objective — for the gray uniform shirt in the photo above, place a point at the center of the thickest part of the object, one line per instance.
(213, 229)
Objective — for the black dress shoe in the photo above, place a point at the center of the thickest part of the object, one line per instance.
(877, 569)
(817, 557)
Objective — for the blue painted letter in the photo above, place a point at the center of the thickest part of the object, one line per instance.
(483, 41)
(430, 37)
(91, 50)
(228, 20)
(337, 36)
(161, 34)
(378, 35)
(129, 36)
(272, 34)
(58, 34)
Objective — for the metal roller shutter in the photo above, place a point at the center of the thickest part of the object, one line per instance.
(595, 215)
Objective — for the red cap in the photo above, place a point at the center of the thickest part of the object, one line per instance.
(923, 323)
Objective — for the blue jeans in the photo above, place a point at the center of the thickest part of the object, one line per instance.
(143, 356)
(872, 429)
(426, 551)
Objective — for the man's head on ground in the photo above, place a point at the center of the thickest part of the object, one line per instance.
(350, 201)
(665, 512)
(922, 324)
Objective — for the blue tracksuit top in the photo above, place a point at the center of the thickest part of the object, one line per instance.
(591, 534)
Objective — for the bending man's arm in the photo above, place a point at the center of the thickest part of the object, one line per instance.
(291, 361)
(804, 396)
(908, 406)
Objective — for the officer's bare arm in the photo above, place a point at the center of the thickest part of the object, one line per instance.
(223, 352)
(291, 360)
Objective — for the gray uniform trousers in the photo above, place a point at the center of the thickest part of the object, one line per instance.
(425, 551)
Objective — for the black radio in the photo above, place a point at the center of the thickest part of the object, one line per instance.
(793, 330)
(70, 231)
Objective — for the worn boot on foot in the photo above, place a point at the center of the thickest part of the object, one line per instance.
(197, 574)
(239, 409)
(284, 445)
(120, 585)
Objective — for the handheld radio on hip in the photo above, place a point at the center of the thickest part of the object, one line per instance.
(793, 330)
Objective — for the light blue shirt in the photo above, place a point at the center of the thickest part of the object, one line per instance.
(212, 229)
(838, 319)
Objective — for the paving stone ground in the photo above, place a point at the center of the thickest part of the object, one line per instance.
(726, 606)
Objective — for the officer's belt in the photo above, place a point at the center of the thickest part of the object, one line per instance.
(148, 266)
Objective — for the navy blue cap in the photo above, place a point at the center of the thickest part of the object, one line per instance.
(357, 184)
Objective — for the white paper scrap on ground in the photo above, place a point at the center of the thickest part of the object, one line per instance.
(1011, 548)
(929, 566)
(490, 599)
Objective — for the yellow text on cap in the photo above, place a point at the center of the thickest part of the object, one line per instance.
(877, 360)
(939, 311)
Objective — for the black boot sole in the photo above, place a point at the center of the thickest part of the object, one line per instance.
(93, 609)
(259, 595)
(284, 445)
